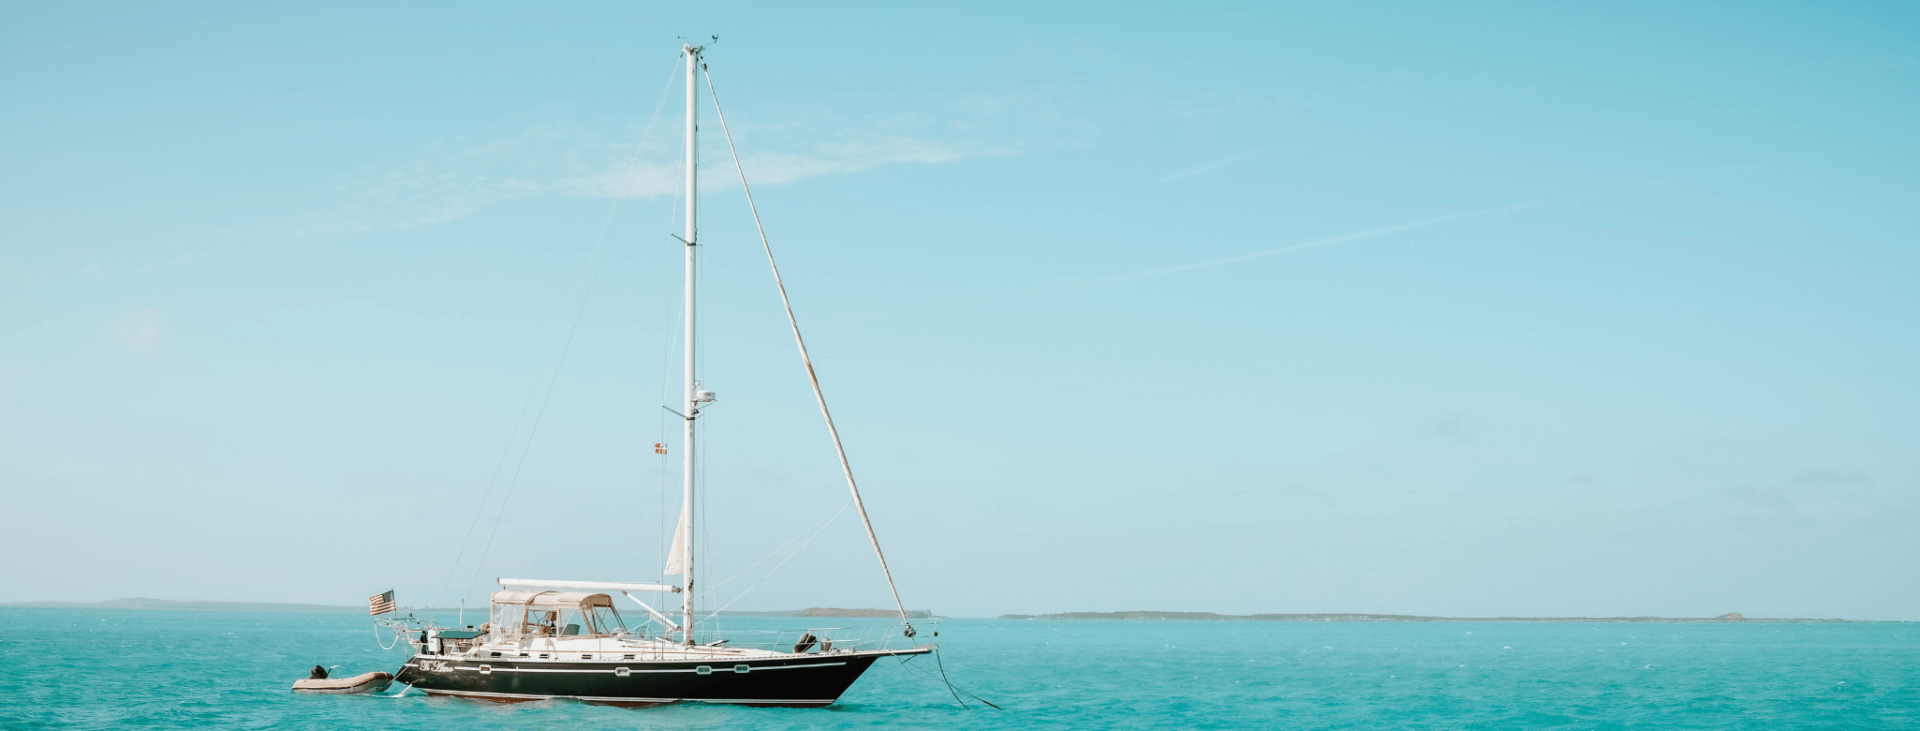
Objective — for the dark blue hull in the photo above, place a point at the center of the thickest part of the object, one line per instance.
(804, 680)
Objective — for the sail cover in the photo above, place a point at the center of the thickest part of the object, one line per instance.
(677, 556)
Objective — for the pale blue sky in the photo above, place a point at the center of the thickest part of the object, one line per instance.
(276, 281)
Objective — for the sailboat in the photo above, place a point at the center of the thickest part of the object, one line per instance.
(548, 638)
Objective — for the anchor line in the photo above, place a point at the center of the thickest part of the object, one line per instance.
(950, 685)
(951, 688)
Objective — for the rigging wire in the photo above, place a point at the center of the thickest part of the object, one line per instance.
(809, 534)
(480, 509)
(802, 534)
(592, 273)
(818, 395)
(585, 291)
(672, 331)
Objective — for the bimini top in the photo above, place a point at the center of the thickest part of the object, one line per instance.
(555, 599)
(521, 615)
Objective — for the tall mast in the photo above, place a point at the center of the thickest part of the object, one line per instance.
(692, 53)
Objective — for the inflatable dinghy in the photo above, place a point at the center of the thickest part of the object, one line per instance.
(363, 683)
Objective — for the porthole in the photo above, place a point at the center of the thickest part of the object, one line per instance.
(486, 669)
(620, 672)
(742, 669)
(703, 670)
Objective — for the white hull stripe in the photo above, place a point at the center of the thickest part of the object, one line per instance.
(624, 699)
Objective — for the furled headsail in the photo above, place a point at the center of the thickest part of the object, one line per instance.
(677, 556)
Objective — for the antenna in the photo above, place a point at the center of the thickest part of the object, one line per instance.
(689, 41)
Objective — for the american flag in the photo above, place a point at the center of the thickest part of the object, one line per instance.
(379, 604)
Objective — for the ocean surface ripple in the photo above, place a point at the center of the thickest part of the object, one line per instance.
(86, 669)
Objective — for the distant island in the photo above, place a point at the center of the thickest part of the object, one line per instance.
(1209, 616)
(834, 612)
(169, 605)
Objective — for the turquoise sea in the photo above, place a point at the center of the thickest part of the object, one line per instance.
(87, 669)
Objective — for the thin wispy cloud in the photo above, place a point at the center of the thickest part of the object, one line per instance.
(1345, 238)
(452, 180)
(1452, 425)
(1220, 164)
(142, 333)
(463, 176)
(459, 182)
(1833, 478)
(774, 168)
(1811, 494)
(651, 179)
(457, 179)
